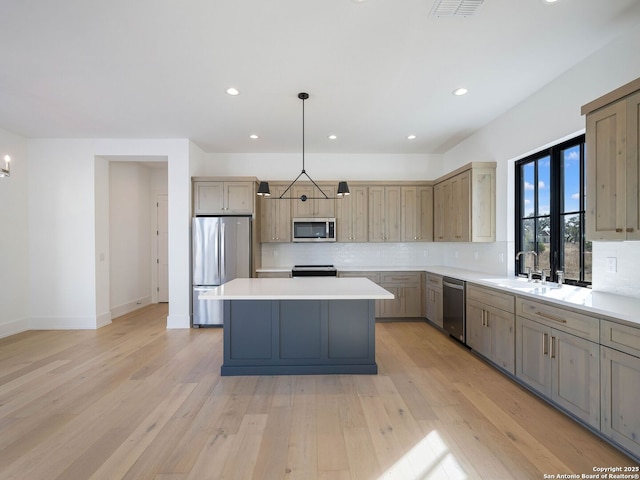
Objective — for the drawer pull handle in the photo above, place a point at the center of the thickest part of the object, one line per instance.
(545, 343)
(553, 347)
(551, 317)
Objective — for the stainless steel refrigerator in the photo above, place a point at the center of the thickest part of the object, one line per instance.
(221, 251)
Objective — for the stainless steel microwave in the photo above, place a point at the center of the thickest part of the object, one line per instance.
(314, 229)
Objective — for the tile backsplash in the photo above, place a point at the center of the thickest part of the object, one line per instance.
(489, 257)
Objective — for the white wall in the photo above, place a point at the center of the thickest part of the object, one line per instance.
(14, 254)
(287, 166)
(545, 118)
(129, 236)
(67, 229)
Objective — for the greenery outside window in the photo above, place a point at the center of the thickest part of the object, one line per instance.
(550, 213)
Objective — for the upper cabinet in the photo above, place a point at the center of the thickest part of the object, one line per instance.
(417, 214)
(384, 213)
(223, 197)
(613, 165)
(465, 205)
(316, 204)
(352, 215)
(275, 217)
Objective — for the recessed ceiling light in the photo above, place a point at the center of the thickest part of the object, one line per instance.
(411, 137)
(254, 136)
(358, 1)
(233, 91)
(332, 137)
(550, 1)
(460, 91)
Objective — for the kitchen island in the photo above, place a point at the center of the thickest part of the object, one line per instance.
(285, 326)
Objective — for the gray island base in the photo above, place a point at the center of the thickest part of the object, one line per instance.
(299, 326)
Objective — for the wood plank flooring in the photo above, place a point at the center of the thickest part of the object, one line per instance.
(136, 401)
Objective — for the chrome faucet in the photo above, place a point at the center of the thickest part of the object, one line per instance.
(535, 261)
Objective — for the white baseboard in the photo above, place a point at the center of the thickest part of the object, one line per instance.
(14, 326)
(62, 323)
(129, 307)
(103, 320)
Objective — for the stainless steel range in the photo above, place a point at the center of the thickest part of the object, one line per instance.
(314, 271)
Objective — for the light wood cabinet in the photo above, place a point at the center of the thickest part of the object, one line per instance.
(620, 381)
(439, 216)
(563, 367)
(285, 274)
(619, 397)
(434, 299)
(491, 325)
(613, 165)
(352, 216)
(464, 205)
(417, 214)
(316, 205)
(275, 217)
(407, 290)
(223, 198)
(384, 213)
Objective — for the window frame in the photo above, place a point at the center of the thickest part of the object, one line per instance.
(555, 215)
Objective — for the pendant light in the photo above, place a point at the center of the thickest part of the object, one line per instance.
(343, 188)
(6, 170)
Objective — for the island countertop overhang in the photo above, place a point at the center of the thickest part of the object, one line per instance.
(299, 288)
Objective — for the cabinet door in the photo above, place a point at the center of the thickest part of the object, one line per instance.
(393, 211)
(275, 217)
(606, 165)
(391, 308)
(417, 214)
(376, 214)
(411, 301)
(316, 204)
(239, 197)
(619, 398)
(208, 198)
(501, 326)
(351, 216)
(575, 376)
(438, 213)
(532, 355)
(478, 335)
(633, 167)
(434, 305)
(460, 207)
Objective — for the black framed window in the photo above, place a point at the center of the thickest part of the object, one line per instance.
(550, 213)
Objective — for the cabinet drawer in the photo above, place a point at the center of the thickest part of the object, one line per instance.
(566, 320)
(621, 337)
(274, 274)
(496, 299)
(400, 277)
(373, 276)
(434, 280)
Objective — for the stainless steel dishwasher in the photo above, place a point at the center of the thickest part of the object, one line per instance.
(453, 308)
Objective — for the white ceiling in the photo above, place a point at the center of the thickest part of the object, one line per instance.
(375, 71)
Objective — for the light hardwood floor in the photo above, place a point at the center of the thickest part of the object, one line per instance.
(134, 400)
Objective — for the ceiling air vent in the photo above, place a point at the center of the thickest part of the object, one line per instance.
(456, 8)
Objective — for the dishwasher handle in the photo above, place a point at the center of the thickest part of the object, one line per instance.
(452, 285)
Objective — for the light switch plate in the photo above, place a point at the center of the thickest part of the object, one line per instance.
(612, 264)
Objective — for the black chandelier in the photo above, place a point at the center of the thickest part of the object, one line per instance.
(343, 188)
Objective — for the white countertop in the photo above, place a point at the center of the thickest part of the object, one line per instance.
(299, 288)
(601, 304)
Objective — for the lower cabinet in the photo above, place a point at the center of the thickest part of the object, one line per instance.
(620, 384)
(563, 367)
(434, 299)
(491, 325)
(407, 290)
(274, 274)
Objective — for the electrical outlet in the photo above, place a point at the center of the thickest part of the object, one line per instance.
(476, 255)
(612, 264)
